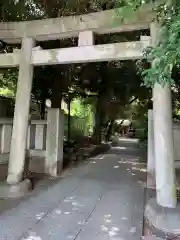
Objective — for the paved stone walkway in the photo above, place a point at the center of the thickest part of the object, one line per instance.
(102, 199)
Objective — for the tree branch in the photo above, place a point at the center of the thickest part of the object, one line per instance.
(133, 100)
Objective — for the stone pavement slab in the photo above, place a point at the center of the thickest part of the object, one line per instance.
(101, 199)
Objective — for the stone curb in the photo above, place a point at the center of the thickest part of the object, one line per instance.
(165, 220)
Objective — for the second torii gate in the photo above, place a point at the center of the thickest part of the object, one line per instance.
(85, 26)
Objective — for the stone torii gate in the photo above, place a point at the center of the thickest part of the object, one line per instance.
(84, 27)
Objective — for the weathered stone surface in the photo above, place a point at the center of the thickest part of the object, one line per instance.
(14, 191)
(100, 199)
(166, 220)
(21, 114)
(83, 54)
(101, 22)
(54, 141)
(151, 238)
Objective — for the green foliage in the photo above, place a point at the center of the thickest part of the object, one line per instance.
(83, 112)
(17, 10)
(126, 10)
(141, 134)
(8, 82)
(166, 54)
(76, 127)
(138, 113)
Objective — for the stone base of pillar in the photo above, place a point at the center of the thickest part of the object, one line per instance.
(15, 191)
(163, 220)
(53, 171)
(151, 181)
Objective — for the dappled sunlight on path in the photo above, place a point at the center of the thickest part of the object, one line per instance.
(101, 199)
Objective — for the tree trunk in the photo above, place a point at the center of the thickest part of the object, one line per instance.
(109, 129)
(43, 108)
(98, 122)
(69, 117)
(56, 94)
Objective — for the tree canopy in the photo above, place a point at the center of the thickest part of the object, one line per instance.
(166, 54)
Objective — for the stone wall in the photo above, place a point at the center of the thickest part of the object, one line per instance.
(36, 141)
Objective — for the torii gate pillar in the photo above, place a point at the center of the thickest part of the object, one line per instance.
(21, 114)
(163, 140)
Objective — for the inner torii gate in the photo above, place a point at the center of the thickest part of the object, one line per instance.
(84, 27)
